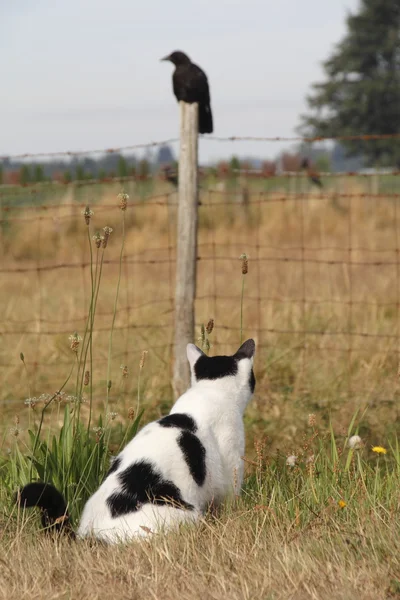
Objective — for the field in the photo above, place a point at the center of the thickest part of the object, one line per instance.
(322, 301)
(323, 528)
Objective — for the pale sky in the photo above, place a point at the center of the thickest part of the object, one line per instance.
(82, 74)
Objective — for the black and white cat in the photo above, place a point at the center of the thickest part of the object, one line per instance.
(174, 467)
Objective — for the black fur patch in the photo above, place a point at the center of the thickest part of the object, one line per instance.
(142, 484)
(215, 367)
(179, 420)
(114, 466)
(252, 382)
(54, 515)
(194, 454)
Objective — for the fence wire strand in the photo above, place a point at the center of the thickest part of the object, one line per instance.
(318, 284)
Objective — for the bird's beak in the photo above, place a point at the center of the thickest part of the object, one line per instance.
(165, 58)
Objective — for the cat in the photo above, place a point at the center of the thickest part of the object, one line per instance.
(174, 468)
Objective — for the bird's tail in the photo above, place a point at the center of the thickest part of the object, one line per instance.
(316, 180)
(52, 505)
(205, 118)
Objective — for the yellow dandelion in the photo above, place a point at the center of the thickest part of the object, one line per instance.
(342, 504)
(379, 450)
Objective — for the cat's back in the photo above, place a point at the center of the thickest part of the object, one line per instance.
(166, 459)
(181, 449)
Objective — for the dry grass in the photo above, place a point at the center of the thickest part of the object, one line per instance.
(245, 553)
(287, 537)
(297, 373)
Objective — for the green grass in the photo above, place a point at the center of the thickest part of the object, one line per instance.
(324, 527)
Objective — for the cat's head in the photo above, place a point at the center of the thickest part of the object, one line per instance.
(234, 373)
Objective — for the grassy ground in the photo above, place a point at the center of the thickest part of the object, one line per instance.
(327, 332)
(241, 556)
(328, 336)
(325, 528)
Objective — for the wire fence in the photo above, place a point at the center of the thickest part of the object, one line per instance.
(322, 296)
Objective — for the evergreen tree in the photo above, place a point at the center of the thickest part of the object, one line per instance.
(79, 172)
(361, 95)
(38, 174)
(67, 177)
(25, 175)
(234, 166)
(144, 169)
(122, 168)
(165, 155)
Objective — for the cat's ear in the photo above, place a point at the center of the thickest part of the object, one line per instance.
(193, 354)
(246, 350)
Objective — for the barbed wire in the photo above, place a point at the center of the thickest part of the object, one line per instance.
(140, 146)
(38, 326)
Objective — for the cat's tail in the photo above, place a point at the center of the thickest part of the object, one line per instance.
(52, 505)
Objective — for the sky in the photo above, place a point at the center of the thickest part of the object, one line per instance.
(86, 74)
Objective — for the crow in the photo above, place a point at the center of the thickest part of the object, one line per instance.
(190, 84)
(171, 175)
(311, 173)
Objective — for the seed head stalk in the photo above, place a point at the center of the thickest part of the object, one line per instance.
(88, 343)
(141, 365)
(95, 281)
(92, 283)
(115, 309)
(245, 268)
(87, 213)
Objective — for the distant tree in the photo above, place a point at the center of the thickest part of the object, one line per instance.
(79, 172)
(67, 177)
(323, 163)
(89, 167)
(143, 169)
(122, 168)
(340, 161)
(165, 155)
(1, 174)
(234, 166)
(102, 174)
(25, 175)
(361, 94)
(38, 174)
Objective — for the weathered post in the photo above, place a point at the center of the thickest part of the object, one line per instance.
(186, 248)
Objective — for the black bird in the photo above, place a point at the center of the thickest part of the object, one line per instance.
(190, 84)
(312, 174)
(171, 175)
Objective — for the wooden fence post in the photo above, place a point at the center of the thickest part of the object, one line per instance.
(186, 247)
